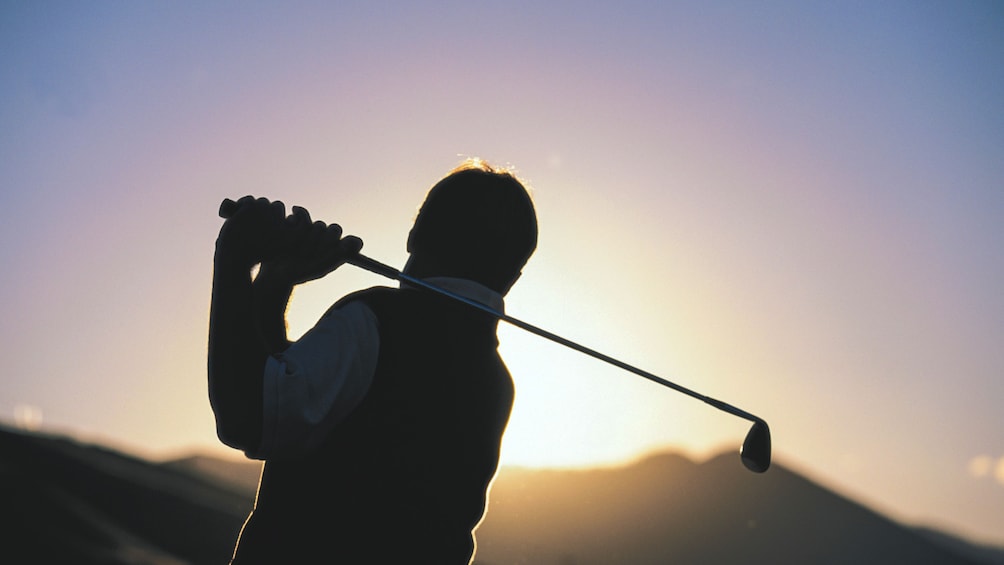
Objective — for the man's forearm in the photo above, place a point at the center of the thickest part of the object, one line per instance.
(236, 356)
(270, 298)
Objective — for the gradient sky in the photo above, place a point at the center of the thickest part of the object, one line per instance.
(795, 207)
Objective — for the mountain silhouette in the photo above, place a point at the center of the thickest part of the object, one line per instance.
(66, 502)
(667, 509)
(69, 502)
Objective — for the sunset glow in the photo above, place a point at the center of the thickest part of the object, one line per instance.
(793, 207)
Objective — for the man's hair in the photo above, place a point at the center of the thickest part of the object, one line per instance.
(477, 223)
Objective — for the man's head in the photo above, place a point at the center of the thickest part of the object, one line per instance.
(477, 223)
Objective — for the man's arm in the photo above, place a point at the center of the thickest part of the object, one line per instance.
(237, 352)
(236, 355)
(320, 250)
(247, 320)
(270, 298)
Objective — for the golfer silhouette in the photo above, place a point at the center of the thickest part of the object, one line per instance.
(380, 428)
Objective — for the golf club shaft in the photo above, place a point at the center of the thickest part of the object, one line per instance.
(379, 268)
(227, 208)
(756, 448)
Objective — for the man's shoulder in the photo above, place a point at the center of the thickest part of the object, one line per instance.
(374, 292)
(368, 297)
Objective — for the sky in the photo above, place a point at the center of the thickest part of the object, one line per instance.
(794, 207)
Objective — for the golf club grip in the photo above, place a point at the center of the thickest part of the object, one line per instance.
(374, 266)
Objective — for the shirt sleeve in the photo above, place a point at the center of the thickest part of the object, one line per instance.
(318, 381)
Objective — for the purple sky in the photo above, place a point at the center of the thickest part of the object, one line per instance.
(795, 207)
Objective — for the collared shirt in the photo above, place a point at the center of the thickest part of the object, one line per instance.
(320, 379)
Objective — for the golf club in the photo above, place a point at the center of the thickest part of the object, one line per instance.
(756, 448)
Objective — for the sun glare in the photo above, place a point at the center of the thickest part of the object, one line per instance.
(27, 417)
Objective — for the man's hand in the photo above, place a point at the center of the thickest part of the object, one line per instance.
(254, 232)
(291, 249)
(246, 320)
(310, 251)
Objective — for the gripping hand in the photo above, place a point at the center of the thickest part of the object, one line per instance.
(291, 249)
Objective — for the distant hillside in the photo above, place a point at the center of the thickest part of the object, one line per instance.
(980, 553)
(84, 504)
(242, 474)
(667, 509)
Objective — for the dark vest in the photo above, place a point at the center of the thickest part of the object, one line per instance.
(403, 479)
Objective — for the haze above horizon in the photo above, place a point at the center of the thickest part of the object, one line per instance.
(795, 208)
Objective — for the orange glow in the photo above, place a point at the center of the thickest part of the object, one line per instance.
(793, 208)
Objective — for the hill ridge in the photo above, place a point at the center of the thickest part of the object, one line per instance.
(85, 504)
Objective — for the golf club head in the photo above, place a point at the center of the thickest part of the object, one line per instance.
(755, 451)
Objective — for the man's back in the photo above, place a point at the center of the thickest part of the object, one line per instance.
(404, 477)
(379, 449)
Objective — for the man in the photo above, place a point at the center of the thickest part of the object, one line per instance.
(380, 428)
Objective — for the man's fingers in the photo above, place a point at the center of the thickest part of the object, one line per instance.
(333, 232)
(230, 208)
(350, 245)
(322, 238)
(300, 216)
(309, 248)
(261, 209)
(313, 237)
(334, 249)
(277, 208)
(299, 229)
(339, 250)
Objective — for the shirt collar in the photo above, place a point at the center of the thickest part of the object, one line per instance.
(469, 289)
